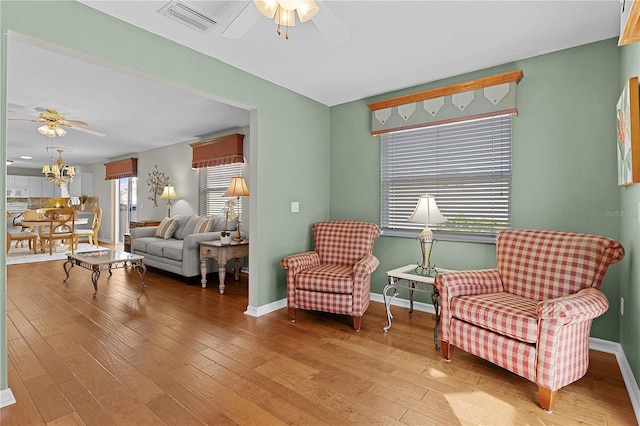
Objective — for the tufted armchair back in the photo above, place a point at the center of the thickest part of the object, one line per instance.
(543, 265)
(344, 242)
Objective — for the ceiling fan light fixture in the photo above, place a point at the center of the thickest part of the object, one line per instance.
(285, 18)
(60, 131)
(307, 9)
(288, 4)
(267, 7)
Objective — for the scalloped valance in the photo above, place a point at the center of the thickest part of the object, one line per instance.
(483, 97)
(214, 152)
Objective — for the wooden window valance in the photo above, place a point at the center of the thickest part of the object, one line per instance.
(214, 152)
(127, 167)
(483, 97)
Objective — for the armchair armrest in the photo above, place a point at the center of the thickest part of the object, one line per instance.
(300, 261)
(460, 283)
(587, 304)
(365, 266)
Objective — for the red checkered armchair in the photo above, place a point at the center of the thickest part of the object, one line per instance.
(532, 314)
(336, 276)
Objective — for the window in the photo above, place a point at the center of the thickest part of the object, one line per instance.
(214, 181)
(465, 165)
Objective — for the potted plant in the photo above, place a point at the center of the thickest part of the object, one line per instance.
(228, 213)
(83, 200)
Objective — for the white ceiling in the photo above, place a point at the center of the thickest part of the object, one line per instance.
(390, 45)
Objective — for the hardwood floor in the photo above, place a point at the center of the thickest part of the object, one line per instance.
(178, 354)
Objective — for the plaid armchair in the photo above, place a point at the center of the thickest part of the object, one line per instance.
(336, 276)
(532, 314)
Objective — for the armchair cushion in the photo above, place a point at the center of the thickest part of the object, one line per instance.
(327, 279)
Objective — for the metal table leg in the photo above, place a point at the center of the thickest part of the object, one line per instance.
(387, 301)
(435, 299)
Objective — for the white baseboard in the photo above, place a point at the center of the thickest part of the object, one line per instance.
(266, 309)
(6, 397)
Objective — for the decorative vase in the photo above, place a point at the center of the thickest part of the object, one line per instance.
(82, 207)
(225, 239)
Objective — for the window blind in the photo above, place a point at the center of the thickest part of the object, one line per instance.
(465, 165)
(213, 183)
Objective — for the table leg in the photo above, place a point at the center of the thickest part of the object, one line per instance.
(222, 272)
(66, 271)
(237, 268)
(141, 268)
(413, 286)
(203, 272)
(387, 301)
(435, 299)
(95, 275)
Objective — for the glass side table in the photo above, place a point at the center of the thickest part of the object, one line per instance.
(408, 277)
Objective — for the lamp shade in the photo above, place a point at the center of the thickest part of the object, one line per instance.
(169, 193)
(267, 7)
(237, 188)
(427, 211)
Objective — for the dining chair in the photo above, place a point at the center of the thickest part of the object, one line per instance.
(61, 227)
(90, 233)
(21, 236)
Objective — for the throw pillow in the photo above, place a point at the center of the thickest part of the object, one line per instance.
(204, 225)
(166, 228)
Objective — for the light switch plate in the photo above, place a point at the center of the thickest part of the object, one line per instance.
(295, 207)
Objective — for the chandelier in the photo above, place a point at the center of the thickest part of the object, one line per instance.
(281, 11)
(58, 173)
(51, 130)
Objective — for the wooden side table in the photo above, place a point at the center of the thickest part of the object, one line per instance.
(222, 253)
(143, 223)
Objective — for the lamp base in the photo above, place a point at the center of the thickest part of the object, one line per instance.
(238, 237)
(426, 268)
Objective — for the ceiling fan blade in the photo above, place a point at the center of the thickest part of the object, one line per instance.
(23, 119)
(329, 25)
(66, 122)
(243, 22)
(85, 130)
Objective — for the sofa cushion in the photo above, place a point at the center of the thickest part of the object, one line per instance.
(504, 313)
(166, 228)
(187, 229)
(140, 244)
(204, 225)
(183, 221)
(171, 248)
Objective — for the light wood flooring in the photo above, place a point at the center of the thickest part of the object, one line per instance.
(177, 354)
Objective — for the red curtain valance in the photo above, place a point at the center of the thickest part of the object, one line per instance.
(214, 152)
(122, 168)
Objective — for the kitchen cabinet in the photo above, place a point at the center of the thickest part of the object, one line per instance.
(17, 186)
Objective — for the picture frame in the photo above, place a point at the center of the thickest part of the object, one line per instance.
(628, 133)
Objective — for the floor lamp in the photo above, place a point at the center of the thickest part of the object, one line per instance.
(237, 188)
(426, 212)
(169, 193)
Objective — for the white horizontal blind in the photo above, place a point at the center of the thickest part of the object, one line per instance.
(214, 181)
(465, 165)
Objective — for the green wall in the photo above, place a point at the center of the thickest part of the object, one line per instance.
(564, 162)
(629, 231)
(290, 159)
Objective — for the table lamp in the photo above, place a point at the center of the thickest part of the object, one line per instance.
(237, 188)
(169, 193)
(426, 212)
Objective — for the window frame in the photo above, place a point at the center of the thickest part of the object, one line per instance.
(213, 182)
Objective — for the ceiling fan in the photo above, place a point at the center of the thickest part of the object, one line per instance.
(54, 123)
(282, 13)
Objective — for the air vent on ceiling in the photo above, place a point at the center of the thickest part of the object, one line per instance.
(188, 16)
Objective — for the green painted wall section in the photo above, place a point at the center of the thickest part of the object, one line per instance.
(564, 162)
(629, 232)
(292, 151)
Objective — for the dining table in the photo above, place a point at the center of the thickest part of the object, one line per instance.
(38, 225)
